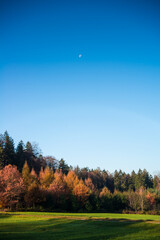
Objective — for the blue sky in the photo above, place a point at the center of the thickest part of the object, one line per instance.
(100, 110)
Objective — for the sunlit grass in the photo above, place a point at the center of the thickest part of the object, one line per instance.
(91, 215)
(33, 225)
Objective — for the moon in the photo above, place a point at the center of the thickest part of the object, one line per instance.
(80, 55)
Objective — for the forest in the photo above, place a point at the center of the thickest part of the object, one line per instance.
(30, 181)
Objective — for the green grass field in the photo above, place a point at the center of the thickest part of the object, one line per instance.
(38, 226)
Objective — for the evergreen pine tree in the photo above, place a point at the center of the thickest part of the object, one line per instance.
(20, 157)
(9, 153)
(63, 166)
(29, 157)
(2, 163)
(29, 148)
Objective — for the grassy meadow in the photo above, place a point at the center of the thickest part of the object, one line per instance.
(33, 225)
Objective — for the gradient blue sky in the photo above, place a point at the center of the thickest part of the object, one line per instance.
(100, 110)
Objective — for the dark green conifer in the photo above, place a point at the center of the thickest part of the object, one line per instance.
(8, 151)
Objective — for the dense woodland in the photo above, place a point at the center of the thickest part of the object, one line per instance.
(31, 181)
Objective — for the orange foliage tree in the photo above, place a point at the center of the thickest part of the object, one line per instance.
(26, 175)
(58, 188)
(89, 184)
(33, 195)
(71, 180)
(46, 177)
(12, 186)
(81, 191)
(151, 198)
(105, 192)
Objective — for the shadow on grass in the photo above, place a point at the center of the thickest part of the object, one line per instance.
(93, 229)
(67, 229)
(4, 215)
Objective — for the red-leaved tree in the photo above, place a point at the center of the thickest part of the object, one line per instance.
(12, 186)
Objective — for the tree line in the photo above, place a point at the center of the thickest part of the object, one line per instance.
(31, 181)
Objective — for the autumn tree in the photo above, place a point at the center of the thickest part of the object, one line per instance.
(81, 191)
(46, 177)
(12, 186)
(34, 195)
(105, 191)
(151, 197)
(58, 185)
(33, 177)
(89, 184)
(106, 200)
(58, 189)
(26, 174)
(71, 180)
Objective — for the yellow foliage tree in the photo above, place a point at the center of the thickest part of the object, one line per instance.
(71, 180)
(46, 177)
(81, 191)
